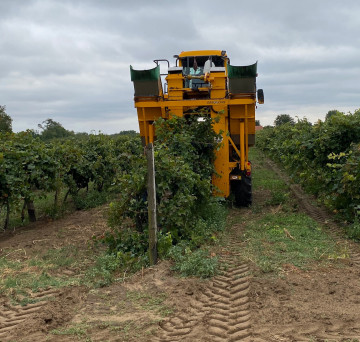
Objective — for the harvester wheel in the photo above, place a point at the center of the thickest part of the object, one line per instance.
(242, 191)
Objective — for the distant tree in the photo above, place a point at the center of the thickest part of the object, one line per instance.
(5, 121)
(81, 135)
(332, 112)
(257, 123)
(130, 132)
(53, 130)
(283, 119)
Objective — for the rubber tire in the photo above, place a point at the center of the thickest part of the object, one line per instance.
(242, 191)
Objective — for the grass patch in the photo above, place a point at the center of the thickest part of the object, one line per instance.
(263, 176)
(275, 241)
(21, 278)
(102, 272)
(19, 285)
(265, 179)
(281, 237)
(62, 257)
(78, 330)
(149, 302)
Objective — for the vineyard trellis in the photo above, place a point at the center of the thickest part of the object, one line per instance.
(30, 168)
(324, 157)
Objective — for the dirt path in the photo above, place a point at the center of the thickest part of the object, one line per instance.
(220, 312)
(319, 305)
(240, 304)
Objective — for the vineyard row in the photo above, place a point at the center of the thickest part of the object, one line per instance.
(324, 157)
(30, 167)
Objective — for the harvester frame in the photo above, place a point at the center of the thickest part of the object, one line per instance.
(206, 79)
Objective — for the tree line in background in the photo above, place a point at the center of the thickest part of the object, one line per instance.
(5, 121)
(49, 129)
(324, 157)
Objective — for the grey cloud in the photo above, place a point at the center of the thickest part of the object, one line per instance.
(71, 58)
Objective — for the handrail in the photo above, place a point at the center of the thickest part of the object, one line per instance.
(156, 61)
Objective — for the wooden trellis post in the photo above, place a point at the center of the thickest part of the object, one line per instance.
(151, 204)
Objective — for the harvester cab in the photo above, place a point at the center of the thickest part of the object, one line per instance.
(205, 80)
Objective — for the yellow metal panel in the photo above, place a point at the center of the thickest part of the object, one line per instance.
(151, 133)
(200, 53)
(175, 111)
(145, 127)
(246, 136)
(238, 111)
(142, 128)
(222, 155)
(242, 145)
(184, 103)
(175, 86)
(146, 116)
(251, 126)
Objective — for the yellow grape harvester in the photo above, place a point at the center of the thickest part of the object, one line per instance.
(205, 82)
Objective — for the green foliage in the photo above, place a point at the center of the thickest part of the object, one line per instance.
(91, 199)
(126, 241)
(324, 157)
(26, 165)
(197, 263)
(264, 138)
(5, 121)
(353, 231)
(184, 156)
(165, 243)
(282, 119)
(102, 273)
(332, 112)
(31, 168)
(129, 132)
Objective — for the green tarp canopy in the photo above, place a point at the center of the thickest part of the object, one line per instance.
(242, 71)
(145, 75)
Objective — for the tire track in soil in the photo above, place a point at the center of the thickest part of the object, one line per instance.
(338, 331)
(306, 333)
(13, 315)
(220, 313)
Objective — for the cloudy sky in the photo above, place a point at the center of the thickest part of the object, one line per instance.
(68, 60)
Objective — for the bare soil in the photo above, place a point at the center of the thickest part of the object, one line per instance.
(157, 305)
